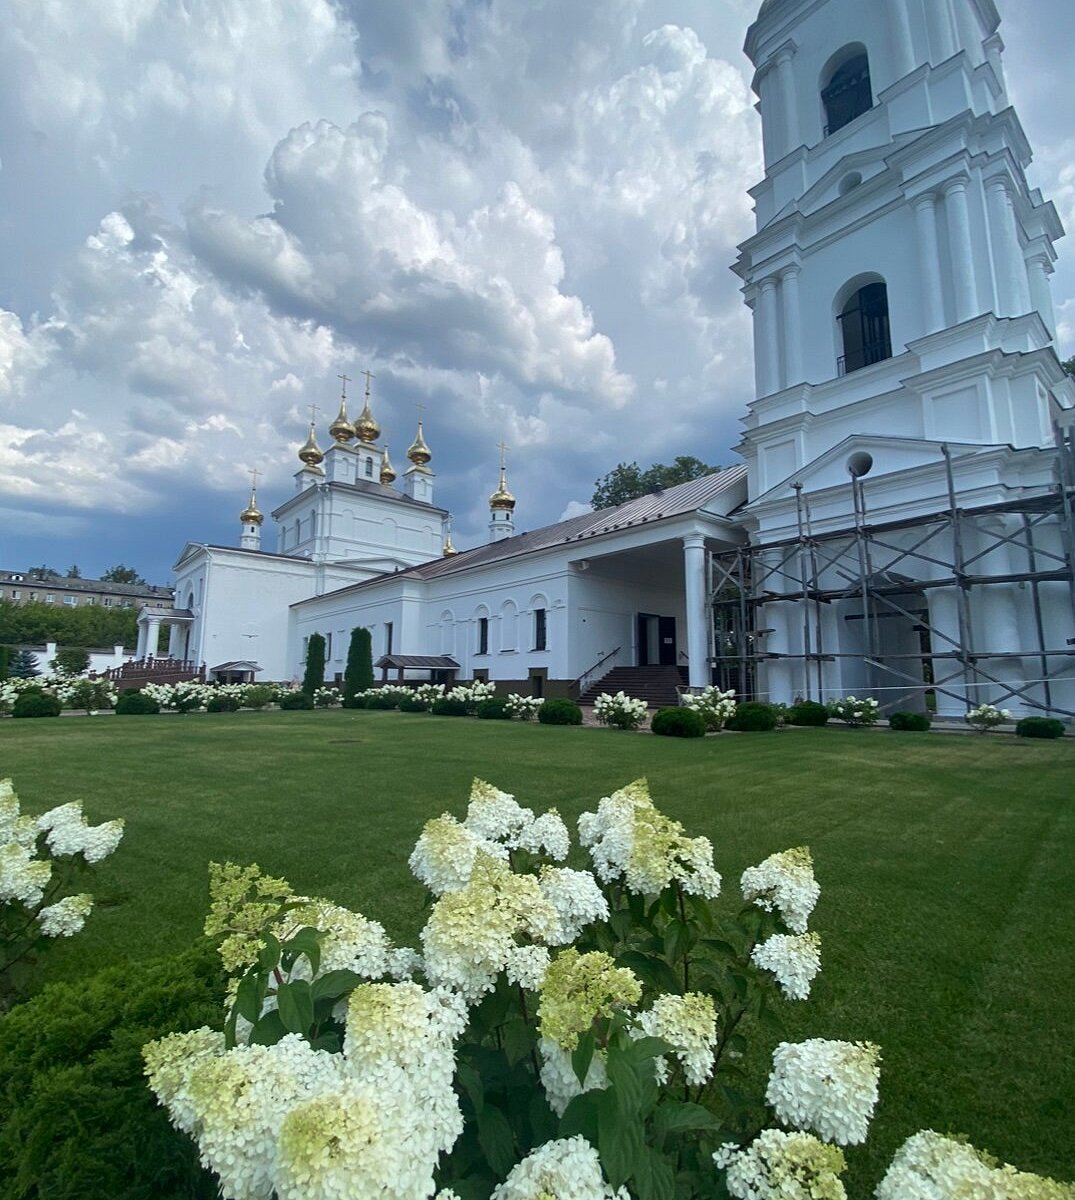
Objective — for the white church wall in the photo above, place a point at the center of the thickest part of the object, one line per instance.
(604, 615)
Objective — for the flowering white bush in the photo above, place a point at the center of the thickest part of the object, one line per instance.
(827, 1087)
(472, 694)
(39, 857)
(783, 1166)
(327, 697)
(853, 711)
(620, 711)
(986, 717)
(523, 707)
(715, 706)
(428, 693)
(72, 691)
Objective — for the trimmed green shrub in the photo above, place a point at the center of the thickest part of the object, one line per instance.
(315, 664)
(76, 1117)
(258, 695)
(358, 674)
(133, 703)
(413, 704)
(71, 660)
(807, 712)
(5, 659)
(295, 700)
(560, 712)
(493, 709)
(223, 703)
(448, 708)
(909, 722)
(1030, 727)
(382, 700)
(754, 718)
(678, 722)
(359, 701)
(36, 704)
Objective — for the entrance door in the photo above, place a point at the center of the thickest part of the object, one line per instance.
(656, 640)
(666, 632)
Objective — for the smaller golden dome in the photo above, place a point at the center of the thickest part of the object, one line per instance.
(388, 472)
(502, 500)
(366, 427)
(342, 429)
(310, 454)
(251, 515)
(449, 550)
(418, 451)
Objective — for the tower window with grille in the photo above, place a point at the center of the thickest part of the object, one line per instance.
(864, 328)
(848, 93)
(483, 635)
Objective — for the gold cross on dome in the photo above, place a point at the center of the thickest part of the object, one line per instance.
(314, 410)
(254, 473)
(369, 375)
(346, 380)
(501, 447)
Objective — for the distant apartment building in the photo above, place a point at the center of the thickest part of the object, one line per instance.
(26, 587)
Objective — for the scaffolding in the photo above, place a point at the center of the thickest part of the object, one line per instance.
(882, 572)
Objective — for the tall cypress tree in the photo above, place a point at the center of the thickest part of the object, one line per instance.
(315, 664)
(358, 676)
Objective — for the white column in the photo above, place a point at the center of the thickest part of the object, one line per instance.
(140, 649)
(1041, 296)
(788, 110)
(962, 250)
(152, 637)
(793, 350)
(902, 45)
(942, 30)
(929, 261)
(173, 639)
(767, 336)
(1013, 289)
(766, 85)
(694, 590)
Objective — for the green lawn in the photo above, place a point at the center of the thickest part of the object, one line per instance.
(947, 867)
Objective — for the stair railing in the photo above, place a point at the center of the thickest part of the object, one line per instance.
(590, 674)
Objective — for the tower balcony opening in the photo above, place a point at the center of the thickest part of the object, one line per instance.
(846, 92)
(864, 328)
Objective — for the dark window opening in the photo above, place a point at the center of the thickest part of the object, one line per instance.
(540, 630)
(848, 93)
(388, 637)
(864, 328)
(483, 635)
(537, 686)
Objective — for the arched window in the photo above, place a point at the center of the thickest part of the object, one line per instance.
(369, 468)
(509, 622)
(845, 88)
(864, 331)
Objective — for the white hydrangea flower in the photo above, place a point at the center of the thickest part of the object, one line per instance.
(170, 1062)
(558, 1076)
(794, 959)
(631, 841)
(23, 877)
(784, 882)
(827, 1086)
(929, 1166)
(402, 963)
(495, 815)
(351, 941)
(547, 835)
(577, 899)
(782, 1166)
(68, 833)
(66, 917)
(689, 1024)
(13, 827)
(444, 854)
(526, 966)
(565, 1169)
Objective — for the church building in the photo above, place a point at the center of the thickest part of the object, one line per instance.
(902, 524)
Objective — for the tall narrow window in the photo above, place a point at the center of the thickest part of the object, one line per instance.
(848, 93)
(864, 328)
(540, 630)
(388, 637)
(483, 635)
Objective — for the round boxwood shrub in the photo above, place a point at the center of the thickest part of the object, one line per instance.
(493, 709)
(258, 695)
(678, 722)
(223, 704)
(1031, 727)
(293, 700)
(445, 707)
(413, 704)
(754, 718)
(133, 703)
(36, 704)
(76, 1117)
(909, 722)
(380, 700)
(807, 712)
(358, 700)
(560, 712)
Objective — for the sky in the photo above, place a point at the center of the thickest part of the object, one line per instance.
(519, 215)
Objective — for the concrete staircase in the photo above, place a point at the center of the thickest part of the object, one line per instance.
(656, 685)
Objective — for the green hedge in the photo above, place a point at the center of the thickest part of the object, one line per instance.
(807, 712)
(678, 722)
(295, 700)
(909, 722)
(382, 701)
(753, 718)
(560, 712)
(444, 707)
(223, 704)
(1031, 727)
(35, 704)
(413, 704)
(77, 1120)
(493, 709)
(133, 703)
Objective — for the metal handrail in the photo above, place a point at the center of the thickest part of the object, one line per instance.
(577, 687)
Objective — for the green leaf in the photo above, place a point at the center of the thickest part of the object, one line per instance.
(580, 1117)
(653, 1177)
(624, 1083)
(268, 1031)
(645, 1048)
(334, 984)
(471, 1083)
(269, 954)
(653, 971)
(516, 1040)
(330, 1041)
(296, 1006)
(677, 1116)
(250, 995)
(542, 1118)
(582, 1056)
(497, 1140)
(620, 1141)
(679, 939)
(306, 941)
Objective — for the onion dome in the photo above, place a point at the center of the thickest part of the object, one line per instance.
(388, 472)
(342, 429)
(418, 452)
(366, 427)
(310, 454)
(449, 550)
(502, 500)
(251, 515)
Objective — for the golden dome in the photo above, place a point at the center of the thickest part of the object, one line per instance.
(310, 454)
(251, 515)
(342, 429)
(418, 452)
(449, 550)
(366, 427)
(388, 472)
(502, 500)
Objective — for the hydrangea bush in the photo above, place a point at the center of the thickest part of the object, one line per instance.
(986, 717)
(715, 706)
(562, 1034)
(327, 697)
(853, 711)
(620, 710)
(39, 859)
(523, 707)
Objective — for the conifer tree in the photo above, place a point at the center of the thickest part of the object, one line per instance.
(23, 665)
(315, 665)
(358, 677)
